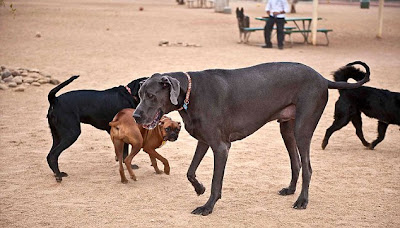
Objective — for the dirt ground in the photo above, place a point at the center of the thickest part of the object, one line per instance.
(110, 43)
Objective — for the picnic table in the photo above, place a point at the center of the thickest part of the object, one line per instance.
(200, 3)
(303, 25)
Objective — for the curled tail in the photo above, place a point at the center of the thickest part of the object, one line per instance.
(343, 74)
(52, 94)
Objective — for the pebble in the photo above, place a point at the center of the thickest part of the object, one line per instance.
(12, 84)
(6, 73)
(8, 79)
(3, 87)
(18, 79)
(19, 89)
(28, 80)
(54, 82)
(15, 73)
(21, 78)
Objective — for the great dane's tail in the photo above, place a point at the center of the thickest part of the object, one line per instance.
(52, 94)
(343, 74)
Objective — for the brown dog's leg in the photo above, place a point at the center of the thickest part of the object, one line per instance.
(119, 146)
(136, 143)
(154, 163)
(153, 153)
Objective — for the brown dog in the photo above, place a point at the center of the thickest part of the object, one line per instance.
(124, 129)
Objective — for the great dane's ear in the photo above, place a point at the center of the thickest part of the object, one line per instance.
(142, 82)
(174, 86)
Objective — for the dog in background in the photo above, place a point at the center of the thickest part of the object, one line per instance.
(380, 104)
(243, 22)
(93, 107)
(124, 129)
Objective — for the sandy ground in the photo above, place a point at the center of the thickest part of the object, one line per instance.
(110, 43)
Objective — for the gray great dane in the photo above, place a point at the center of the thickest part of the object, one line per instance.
(222, 106)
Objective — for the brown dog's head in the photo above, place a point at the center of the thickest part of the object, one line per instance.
(158, 96)
(170, 129)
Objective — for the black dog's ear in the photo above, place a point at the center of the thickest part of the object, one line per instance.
(241, 10)
(174, 88)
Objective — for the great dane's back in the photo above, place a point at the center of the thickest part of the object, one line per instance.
(243, 100)
(221, 106)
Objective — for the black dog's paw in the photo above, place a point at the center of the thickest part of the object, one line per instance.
(63, 174)
(203, 210)
(300, 203)
(324, 144)
(286, 191)
(200, 189)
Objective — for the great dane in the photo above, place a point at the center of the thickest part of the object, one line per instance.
(221, 106)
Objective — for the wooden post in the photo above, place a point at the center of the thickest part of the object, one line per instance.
(314, 22)
(380, 19)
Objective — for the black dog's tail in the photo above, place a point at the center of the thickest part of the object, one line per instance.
(52, 94)
(343, 74)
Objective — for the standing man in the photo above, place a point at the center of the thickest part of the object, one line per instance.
(276, 10)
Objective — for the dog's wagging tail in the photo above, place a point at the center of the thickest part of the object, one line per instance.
(52, 94)
(345, 85)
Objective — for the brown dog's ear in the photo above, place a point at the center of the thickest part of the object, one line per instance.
(174, 88)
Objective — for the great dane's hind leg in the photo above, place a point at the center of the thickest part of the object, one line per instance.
(287, 132)
(382, 127)
(309, 112)
(201, 150)
(220, 151)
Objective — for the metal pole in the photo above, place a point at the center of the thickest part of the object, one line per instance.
(380, 19)
(314, 22)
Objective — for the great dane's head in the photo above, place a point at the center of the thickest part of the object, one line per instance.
(158, 96)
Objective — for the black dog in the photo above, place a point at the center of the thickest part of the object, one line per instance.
(375, 103)
(243, 22)
(96, 108)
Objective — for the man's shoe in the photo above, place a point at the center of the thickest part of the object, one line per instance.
(267, 46)
(280, 47)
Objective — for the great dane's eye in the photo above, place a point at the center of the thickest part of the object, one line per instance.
(167, 129)
(150, 95)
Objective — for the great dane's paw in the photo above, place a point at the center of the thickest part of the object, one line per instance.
(200, 189)
(58, 179)
(125, 181)
(60, 176)
(286, 191)
(300, 204)
(203, 210)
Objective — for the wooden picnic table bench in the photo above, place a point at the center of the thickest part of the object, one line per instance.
(287, 28)
(325, 31)
(303, 27)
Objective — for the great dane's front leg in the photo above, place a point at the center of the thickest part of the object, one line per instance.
(201, 150)
(220, 157)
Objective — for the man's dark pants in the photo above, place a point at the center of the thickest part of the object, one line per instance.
(280, 23)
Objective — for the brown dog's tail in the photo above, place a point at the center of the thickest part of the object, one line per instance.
(341, 79)
(52, 94)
